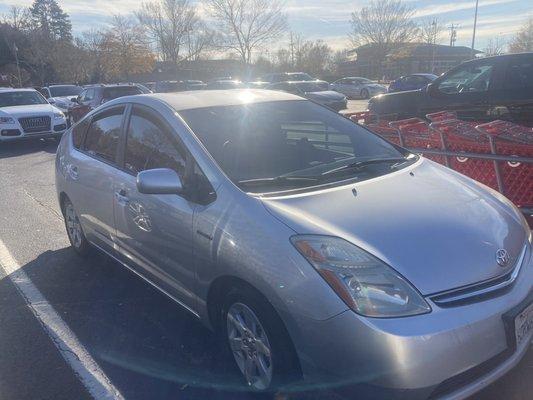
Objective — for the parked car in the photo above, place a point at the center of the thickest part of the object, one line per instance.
(286, 76)
(355, 87)
(144, 89)
(61, 95)
(318, 91)
(257, 84)
(25, 113)
(315, 247)
(411, 82)
(482, 90)
(223, 84)
(93, 96)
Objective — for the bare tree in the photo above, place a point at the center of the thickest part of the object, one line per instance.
(432, 30)
(494, 47)
(17, 17)
(384, 24)
(523, 40)
(127, 46)
(175, 29)
(247, 25)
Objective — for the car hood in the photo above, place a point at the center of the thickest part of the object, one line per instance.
(28, 110)
(437, 228)
(325, 95)
(62, 99)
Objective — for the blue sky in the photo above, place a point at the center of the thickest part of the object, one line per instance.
(329, 19)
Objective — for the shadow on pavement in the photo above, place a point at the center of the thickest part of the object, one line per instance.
(147, 345)
(26, 146)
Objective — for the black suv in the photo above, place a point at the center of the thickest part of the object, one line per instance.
(485, 89)
(93, 96)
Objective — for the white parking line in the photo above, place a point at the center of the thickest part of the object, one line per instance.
(70, 348)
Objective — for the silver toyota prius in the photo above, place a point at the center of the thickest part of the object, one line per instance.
(323, 253)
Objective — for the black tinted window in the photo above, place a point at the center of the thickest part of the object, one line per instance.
(103, 134)
(519, 74)
(149, 144)
(78, 132)
(111, 93)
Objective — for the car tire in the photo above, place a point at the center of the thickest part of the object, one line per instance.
(250, 346)
(365, 94)
(75, 234)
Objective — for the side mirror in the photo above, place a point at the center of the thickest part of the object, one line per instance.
(159, 181)
(74, 99)
(432, 89)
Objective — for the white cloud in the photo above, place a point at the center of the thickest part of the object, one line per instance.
(434, 9)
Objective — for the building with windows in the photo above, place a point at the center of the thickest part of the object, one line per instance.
(405, 59)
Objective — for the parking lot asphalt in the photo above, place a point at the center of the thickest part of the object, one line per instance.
(146, 346)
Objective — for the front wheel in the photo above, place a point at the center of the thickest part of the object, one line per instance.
(75, 234)
(258, 341)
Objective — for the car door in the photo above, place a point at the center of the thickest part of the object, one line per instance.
(155, 231)
(512, 98)
(92, 171)
(465, 90)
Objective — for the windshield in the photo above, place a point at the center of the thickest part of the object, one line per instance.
(287, 139)
(21, 98)
(114, 92)
(64, 91)
(311, 86)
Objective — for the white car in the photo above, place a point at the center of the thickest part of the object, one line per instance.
(61, 96)
(356, 87)
(25, 113)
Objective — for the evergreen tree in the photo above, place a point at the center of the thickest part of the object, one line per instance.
(48, 18)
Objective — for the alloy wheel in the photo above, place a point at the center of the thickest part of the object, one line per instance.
(73, 226)
(250, 346)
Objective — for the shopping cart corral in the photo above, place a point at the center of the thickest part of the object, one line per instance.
(498, 154)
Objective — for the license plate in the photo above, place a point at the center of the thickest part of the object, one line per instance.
(523, 325)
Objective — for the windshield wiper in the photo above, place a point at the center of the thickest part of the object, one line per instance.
(360, 164)
(278, 179)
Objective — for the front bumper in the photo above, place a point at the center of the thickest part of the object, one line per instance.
(9, 133)
(450, 352)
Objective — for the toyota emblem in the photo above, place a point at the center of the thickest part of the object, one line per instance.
(502, 258)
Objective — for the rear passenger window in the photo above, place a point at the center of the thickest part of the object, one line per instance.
(149, 144)
(103, 134)
(78, 132)
(519, 74)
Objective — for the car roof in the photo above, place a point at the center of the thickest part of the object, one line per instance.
(17, 90)
(211, 98)
(423, 74)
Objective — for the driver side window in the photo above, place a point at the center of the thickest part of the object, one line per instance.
(469, 79)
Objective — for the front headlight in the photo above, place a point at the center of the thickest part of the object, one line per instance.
(59, 115)
(6, 120)
(366, 284)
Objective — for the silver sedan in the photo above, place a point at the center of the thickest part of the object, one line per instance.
(320, 251)
(358, 88)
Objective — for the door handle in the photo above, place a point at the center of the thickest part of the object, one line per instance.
(122, 197)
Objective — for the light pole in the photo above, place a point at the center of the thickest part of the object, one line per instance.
(16, 50)
(474, 33)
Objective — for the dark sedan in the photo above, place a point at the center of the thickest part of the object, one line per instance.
(486, 89)
(411, 82)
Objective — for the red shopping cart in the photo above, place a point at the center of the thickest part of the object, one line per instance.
(462, 137)
(515, 141)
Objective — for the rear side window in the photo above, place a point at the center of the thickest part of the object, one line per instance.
(78, 132)
(104, 133)
(111, 93)
(149, 144)
(519, 74)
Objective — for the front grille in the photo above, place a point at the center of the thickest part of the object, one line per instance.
(482, 290)
(35, 124)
